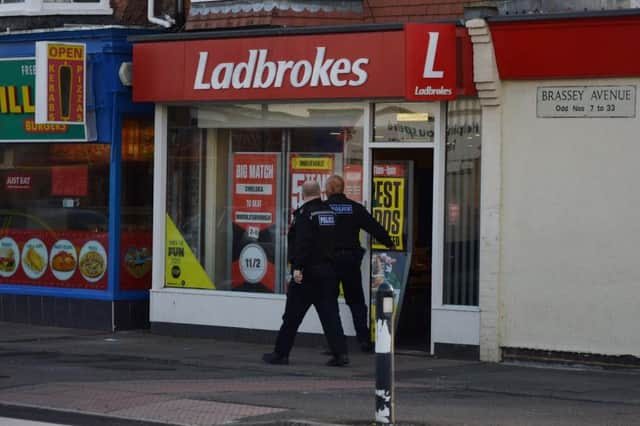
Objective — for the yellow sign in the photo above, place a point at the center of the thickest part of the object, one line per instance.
(182, 269)
(389, 208)
(60, 82)
(312, 163)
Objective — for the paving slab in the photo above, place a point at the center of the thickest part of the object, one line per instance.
(136, 377)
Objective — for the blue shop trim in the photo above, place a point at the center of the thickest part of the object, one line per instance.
(107, 49)
(75, 293)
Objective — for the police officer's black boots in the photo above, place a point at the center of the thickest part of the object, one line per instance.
(339, 360)
(275, 358)
(366, 346)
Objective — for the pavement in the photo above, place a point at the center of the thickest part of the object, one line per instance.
(84, 377)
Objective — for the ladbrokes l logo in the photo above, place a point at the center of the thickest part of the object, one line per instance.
(430, 73)
(262, 72)
(431, 67)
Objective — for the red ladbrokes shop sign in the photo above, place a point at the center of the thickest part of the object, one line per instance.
(418, 63)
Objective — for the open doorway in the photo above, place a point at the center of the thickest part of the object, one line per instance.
(413, 324)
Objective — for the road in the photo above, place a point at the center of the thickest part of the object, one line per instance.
(80, 377)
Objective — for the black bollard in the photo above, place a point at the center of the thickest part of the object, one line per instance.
(385, 410)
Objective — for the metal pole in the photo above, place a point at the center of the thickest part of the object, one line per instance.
(385, 410)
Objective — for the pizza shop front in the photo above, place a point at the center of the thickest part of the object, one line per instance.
(241, 123)
(75, 229)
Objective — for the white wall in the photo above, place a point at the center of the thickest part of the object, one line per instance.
(256, 311)
(570, 278)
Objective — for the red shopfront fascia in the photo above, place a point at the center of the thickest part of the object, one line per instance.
(421, 62)
(588, 47)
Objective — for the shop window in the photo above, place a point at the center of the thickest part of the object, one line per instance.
(234, 177)
(136, 219)
(462, 203)
(51, 7)
(404, 122)
(54, 214)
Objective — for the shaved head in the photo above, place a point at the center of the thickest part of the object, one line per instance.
(310, 190)
(334, 185)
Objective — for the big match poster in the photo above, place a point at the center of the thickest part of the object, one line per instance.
(254, 221)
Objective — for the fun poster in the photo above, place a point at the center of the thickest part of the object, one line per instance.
(254, 221)
(182, 267)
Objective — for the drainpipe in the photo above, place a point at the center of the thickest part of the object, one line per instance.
(180, 13)
(167, 23)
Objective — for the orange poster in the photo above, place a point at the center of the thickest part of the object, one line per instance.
(304, 167)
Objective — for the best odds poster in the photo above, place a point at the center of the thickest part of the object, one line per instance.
(389, 202)
(254, 221)
(391, 207)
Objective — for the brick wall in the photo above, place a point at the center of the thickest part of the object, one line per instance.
(275, 18)
(373, 11)
(134, 12)
(125, 12)
(129, 12)
(384, 11)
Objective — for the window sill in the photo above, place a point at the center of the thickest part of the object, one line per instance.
(217, 293)
(69, 9)
(461, 308)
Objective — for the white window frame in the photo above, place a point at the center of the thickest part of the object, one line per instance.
(434, 108)
(41, 7)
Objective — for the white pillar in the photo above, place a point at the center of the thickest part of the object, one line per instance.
(159, 197)
(485, 74)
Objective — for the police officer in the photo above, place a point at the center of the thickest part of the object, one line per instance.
(351, 217)
(311, 254)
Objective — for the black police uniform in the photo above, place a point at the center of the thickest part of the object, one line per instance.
(311, 250)
(351, 217)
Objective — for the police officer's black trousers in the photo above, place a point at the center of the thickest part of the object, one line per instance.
(348, 272)
(317, 289)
